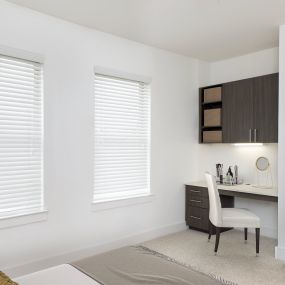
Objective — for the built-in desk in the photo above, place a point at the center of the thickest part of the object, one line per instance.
(197, 200)
(244, 191)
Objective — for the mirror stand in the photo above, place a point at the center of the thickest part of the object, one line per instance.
(264, 178)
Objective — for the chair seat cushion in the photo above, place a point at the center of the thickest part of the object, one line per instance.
(239, 218)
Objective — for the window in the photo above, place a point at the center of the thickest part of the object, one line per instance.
(122, 138)
(21, 189)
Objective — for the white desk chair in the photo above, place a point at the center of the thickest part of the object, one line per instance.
(229, 217)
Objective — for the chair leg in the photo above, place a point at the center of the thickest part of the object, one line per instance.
(210, 231)
(218, 231)
(245, 235)
(257, 235)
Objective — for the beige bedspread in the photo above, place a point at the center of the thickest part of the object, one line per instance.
(138, 265)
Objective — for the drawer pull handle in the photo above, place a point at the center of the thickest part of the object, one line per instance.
(193, 217)
(195, 191)
(196, 201)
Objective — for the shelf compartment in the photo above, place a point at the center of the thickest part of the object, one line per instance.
(212, 117)
(213, 94)
(212, 136)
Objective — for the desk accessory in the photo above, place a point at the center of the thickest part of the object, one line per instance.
(219, 169)
(263, 173)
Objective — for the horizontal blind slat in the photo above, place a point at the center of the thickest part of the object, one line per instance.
(122, 137)
(20, 135)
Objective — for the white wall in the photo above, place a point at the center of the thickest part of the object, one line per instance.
(70, 53)
(280, 250)
(255, 64)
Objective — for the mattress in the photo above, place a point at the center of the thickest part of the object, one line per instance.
(64, 274)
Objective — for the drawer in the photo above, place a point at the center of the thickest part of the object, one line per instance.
(198, 201)
(197, 218)
(195, 191)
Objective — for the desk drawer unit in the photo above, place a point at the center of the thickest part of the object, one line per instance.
(197, 207)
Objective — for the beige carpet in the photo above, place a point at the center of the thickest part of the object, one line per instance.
(235, 262)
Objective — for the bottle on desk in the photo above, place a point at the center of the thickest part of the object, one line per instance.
(236, 174)
(219, 169)
(230, 177)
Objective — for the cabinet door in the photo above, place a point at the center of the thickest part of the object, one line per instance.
(266, 108)
(237, 115)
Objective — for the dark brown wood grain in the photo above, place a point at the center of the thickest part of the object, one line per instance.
(249, 110)
(197, 208)
(266, 108)
(237, 111)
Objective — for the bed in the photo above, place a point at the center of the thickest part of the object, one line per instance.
(58, 275)
(125, 266)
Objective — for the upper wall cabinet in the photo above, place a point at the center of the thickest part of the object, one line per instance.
(266, 108)
(246, 112)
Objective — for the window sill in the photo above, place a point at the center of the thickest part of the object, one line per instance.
(23, 219)
(122, 202)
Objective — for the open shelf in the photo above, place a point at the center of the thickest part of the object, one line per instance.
(211, 106)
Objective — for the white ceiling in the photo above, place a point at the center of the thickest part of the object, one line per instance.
(205, 29)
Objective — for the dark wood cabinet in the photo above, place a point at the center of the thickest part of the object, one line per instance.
(265, 108)
(237, 111)
(197, 208)
(249, 111)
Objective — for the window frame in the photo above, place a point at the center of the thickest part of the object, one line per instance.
(120, 200)
(18, 219)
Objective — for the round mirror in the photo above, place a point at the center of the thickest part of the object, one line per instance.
(262, 163)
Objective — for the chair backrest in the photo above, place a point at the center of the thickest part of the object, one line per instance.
(215, 214)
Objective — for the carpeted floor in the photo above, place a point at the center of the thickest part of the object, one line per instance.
(235, 262)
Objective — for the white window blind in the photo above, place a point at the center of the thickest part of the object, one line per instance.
(122, 138)
(21, 190)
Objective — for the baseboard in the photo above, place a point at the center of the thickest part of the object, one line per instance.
(269, 232)
(280, 253)
(68, 257)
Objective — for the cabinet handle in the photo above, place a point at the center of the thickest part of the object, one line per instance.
(196, 201)
(250, 139)
(193, 217)
(195, 191)
(255, 135)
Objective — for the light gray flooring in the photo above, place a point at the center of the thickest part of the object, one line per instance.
(235, 262)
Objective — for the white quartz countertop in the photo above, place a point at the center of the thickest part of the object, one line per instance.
(244, 188)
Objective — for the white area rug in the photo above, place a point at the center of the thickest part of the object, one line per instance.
(235, 262)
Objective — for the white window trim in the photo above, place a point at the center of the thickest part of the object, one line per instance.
(122, 74)
(23, 219)
(22, 54)
(122, 202)
(133, 199)
(40, 214)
